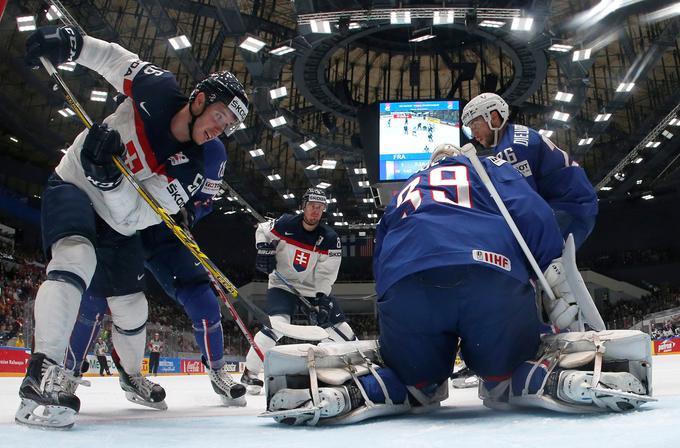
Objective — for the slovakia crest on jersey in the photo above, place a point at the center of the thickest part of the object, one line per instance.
(300, 260)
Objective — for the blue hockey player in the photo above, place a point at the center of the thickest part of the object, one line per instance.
(183, 279)
(448, 272)
(548, 169)
(306, 253)
(86, 200)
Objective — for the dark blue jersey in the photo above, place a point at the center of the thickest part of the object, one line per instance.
(549, 170)
(445, 216)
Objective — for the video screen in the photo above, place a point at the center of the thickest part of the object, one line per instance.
(409, 132)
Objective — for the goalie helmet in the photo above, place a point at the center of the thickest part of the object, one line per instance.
(226, 88)
(443, 150)
(482, 105)
(314, 195)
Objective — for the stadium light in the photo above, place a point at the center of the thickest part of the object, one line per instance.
(652, 144)
(564, 97)
(99, 96)
(360, 171)
(581, 55)
(313, 167)
(648, 196)
(364, 183)
(323, 185)
(560, 116)
(26, 23)
(283, 49)
(278, 121)
(522, 24)
(309, 144)
(179, 42)
(442, 17)
(252, 44)
(585, 141)
(53, 13)
(625, 87)
(273, 177)
(603, 117)
(278, 93)
(66, 112)
(560, 48)
(546, 132)
(320, 26)
(329, 164)
(491, 24)
(422, 38)
(256, 152)
(400, 17)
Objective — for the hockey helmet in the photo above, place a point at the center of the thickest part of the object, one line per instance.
(314, 195)
(482, 105)
(225, 87)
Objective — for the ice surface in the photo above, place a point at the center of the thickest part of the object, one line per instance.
(196, 418)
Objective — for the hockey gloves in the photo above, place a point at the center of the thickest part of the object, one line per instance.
(562, 311)
(56, 44)
(325, 306)
(101, 144)
(265, 261)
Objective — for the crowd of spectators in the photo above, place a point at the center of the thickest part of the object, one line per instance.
(625, 313)
(22, 273)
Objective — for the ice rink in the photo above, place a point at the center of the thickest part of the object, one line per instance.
(195, 418)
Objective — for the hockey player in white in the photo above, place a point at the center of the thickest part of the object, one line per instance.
(154, 125)
(301, 252)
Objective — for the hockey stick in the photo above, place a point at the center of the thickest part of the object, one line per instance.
(294, 290)
(471, 153)
(216, 276)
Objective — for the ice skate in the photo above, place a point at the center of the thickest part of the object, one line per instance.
(231, 393)
(252, 382)
(464, 378)
(44, 402)
(140, 390)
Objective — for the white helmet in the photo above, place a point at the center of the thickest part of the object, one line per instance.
(443, 150)
(481, 106)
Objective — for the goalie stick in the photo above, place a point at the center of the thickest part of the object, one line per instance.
(585, 303)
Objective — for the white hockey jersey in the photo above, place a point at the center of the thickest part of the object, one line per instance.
(143, 121)
(310, 261)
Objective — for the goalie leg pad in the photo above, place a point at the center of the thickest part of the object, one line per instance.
(587, 372)
(348, 366)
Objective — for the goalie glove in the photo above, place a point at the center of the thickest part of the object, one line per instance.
(562, 311)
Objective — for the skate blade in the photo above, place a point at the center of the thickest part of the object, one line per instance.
(235, 402)
(291, 412)
(465, 384)
(38, 416)
(599, 391)
(254, 390)
(136, 399)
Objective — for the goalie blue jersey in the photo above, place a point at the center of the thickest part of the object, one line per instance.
(445, 216)
(549, 170)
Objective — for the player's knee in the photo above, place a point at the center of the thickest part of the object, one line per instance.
(73, 261)
(129, 312)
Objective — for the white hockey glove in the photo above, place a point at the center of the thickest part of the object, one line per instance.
(562, 311)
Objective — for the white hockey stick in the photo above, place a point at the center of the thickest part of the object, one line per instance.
(587, 312)
(471, 153)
